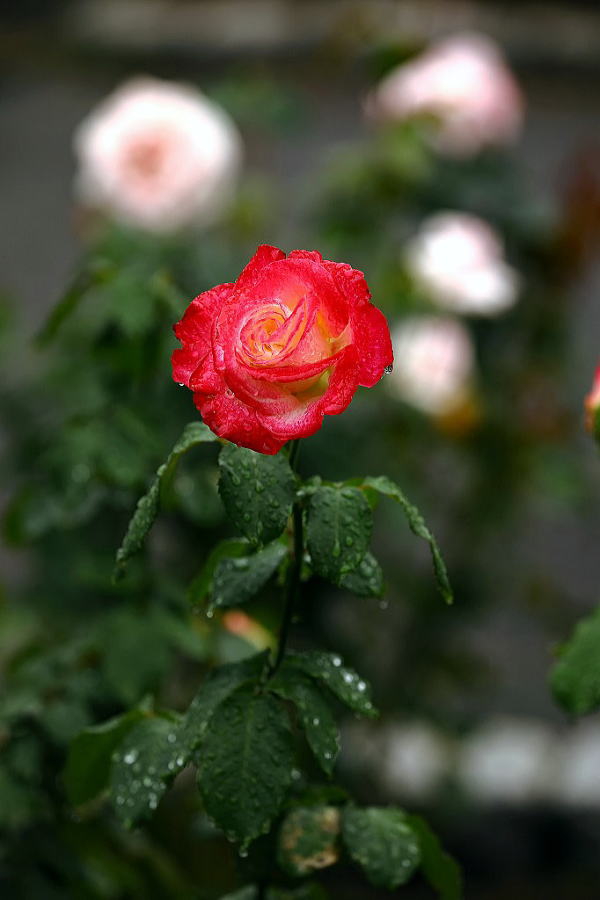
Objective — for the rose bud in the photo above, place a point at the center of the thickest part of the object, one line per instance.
(458, 260)
(288, 343)
(433, 364)
(592, 406)
(243, 626)
(158, 156)
(461, 81)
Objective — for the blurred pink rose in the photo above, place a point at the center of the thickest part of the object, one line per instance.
(158, 155)
(592, 405)
(433, 363)
(464, 83)
(458, 259)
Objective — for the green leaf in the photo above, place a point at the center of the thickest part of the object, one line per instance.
(438, 867)
(37, 509)
(183, 635)
(245, 764)
(383, 844)
(145, 512)
(136, 653)
(157, 749)
(87, 771)
(575, 678)
(322, 794)
(129, 300)
(344, 682)
(218, 685)
(366, 580)
(250, 892)
(236, 581)
(232, 548)
(144, 763)
(314, 712)
(308, 840)
(94, 274)
(417, 525)
(338, 530)
(312, 891)
(22, 805)
(257, 491)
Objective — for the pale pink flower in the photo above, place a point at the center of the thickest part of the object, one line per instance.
(465, 84)
(158, 155)
(458, 259)
(592, 403)
(433, 363)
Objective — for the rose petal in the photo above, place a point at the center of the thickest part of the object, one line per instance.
(304, 419)
(198, 317)
(229, 418)
(185, 360)
(264, 255)
(342, 384)
(373, 344)
(306, 254)
(350, 282)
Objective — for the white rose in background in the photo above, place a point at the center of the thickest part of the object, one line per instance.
(433, 363)
(578, 780)
(158, 155)
(459, 261)
(509, 761)
(415, 759)
(465, 84)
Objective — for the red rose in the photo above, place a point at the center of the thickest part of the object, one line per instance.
(288, 343)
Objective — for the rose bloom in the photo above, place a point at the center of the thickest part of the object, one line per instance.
(458, 259)
(157, 155)
(434, 361)
(592, 403)
(288, 343)
(464, 83)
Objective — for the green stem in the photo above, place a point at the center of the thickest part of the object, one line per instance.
(294, 453)
(292, 583)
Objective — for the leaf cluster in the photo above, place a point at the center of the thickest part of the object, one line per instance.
(244, 730)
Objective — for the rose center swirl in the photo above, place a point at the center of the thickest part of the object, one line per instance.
(272, 332)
